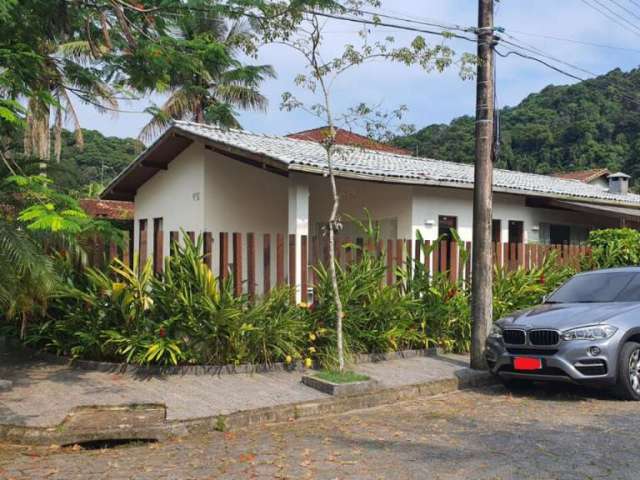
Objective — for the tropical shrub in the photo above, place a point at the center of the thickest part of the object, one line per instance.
(182, 316)
(613, 247)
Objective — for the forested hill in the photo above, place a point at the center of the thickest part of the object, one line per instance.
(595, 123)
(101, 159)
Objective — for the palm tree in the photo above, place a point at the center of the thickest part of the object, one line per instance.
(211, 95)
(66, 73)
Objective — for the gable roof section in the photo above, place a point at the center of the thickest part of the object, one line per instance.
(345, 137)
(290, 154)
(585, 176)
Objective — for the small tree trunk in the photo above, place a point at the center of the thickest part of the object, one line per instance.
(332, 265)
(23, 326)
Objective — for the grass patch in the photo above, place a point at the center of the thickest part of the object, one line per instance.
(341, 377)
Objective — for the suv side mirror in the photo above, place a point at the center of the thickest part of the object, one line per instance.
(545, 298)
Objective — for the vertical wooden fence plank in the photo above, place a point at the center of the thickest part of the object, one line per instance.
(389, 262)
(224, 255)
(426, 262)
(443, 255)
(337, 249)
(453, 267)
(237, 264)
(207, 247)
(173, 241)
(158, 252)
(126, 250)
(292, 265)
(359, 250)
(417, 255)
(279, 259)
(266, 262)
(435, 258)
(498, 249)
(113, 251)
(520, 255)
(399, 254)
(251, 266)
(527, 257)
(304, 268)
(192, 237)
(409, 258)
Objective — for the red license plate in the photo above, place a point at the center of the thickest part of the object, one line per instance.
(527, 363)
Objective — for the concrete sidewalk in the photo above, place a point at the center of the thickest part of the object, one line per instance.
(43, 395)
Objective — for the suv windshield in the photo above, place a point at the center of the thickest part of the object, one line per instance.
(599, 287)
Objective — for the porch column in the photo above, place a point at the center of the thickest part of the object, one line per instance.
(298, 223)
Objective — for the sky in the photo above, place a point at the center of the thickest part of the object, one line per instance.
(432, 97)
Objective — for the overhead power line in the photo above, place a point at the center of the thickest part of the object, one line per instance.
(613, 16)
(571, 40)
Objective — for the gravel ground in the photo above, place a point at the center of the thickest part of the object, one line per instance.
(553, 432)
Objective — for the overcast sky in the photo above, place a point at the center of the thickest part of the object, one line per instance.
(434, 97)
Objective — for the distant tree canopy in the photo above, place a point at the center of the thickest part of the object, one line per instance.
(595, 123)
(101, 159)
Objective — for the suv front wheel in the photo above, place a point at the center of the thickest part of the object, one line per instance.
(628, 384)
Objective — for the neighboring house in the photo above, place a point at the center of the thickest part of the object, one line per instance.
(345, 137)
(595, 176)
(108, 209)
(202, 178)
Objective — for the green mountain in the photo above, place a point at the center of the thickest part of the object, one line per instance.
(594, 123)
(101, 159)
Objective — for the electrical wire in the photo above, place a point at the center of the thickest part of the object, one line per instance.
(612, 18)
(622, 7)
(571, 40)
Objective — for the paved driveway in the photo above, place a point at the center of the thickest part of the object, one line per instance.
(555, 433)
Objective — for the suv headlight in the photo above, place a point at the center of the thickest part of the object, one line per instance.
(495, 332)
(596, 332)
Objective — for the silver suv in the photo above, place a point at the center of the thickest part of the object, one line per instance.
(587, 331)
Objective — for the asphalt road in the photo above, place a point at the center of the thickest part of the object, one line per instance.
(559, 432)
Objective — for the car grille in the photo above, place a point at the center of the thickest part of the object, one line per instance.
(514, 337)
(544, 337)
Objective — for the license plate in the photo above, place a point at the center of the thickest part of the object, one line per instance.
(527, 363)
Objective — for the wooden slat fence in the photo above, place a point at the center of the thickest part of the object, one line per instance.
(249, 258)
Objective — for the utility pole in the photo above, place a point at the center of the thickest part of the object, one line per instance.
(482, 264)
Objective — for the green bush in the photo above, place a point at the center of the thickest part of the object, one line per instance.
(613, 247)
(182, 316)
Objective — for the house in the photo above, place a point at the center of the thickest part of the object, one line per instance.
(348, 138)
(205, 179)
(595, 176)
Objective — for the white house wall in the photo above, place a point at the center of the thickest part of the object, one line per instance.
(243, 198)
(431, 202)
(385, 202)
(175, 195)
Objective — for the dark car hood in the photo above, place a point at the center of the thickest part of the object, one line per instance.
(566, 315)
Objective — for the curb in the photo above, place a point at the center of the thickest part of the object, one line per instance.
(148, 421)
(152, 370)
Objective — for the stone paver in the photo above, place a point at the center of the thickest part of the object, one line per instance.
(553, 433)
(43, 394)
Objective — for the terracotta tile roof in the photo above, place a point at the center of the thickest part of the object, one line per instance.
(108, 209)
(584, 175)
(345, 137)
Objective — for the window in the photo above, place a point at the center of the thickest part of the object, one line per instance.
(516, 231)
(559, 234)
(445, 225)
(496, 231)
(599, 287)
